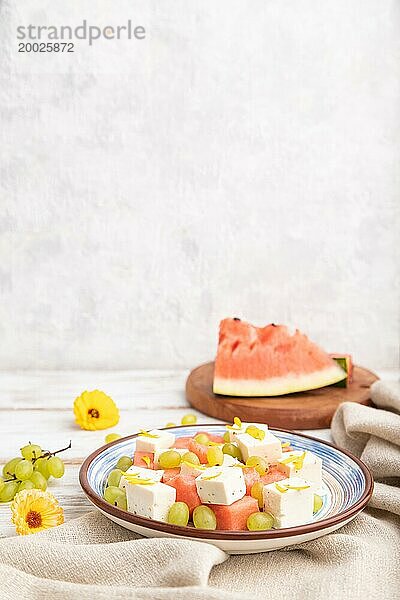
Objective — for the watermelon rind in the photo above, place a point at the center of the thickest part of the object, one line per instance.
(279, 386)
(346, 364)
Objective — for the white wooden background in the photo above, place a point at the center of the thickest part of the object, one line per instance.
(37, 406)
(238, 161)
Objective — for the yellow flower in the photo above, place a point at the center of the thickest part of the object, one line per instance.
(34, 510)
(95, 410)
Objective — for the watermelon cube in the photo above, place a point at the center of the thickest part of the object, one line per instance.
(186, 490)
(140, 459)
(251, 476)
(200, 450)
(272, 475)
(182, 442)
(217, 439)
(234, 517)
(169, 474)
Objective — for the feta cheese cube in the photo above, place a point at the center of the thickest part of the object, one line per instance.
(221, 485)
(229, 461)
(160, 451)
(151, 501)
(305, 464)
(290, 501)
(269, 448)
(238, 430)
(141, 473)
(153, 440)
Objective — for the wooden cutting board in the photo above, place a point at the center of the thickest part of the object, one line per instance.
(304, 410)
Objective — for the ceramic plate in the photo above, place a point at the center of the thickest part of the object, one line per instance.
(347, 487)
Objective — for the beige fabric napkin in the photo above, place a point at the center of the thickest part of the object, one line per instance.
(374, 436)
(92, 558)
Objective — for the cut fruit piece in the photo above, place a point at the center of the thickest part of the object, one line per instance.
(200, 450)
(234, 517)
(170, 474)
(272, 475)
(144, 459)
(216, 439)
(250, 478)
(208, 437)
(346, 363)
(269, 361)
(186, 490)
(182, 442)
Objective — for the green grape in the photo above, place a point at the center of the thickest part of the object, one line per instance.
(9, 490)
(259, 463)
(227, 437)
(191, 457)
(38, 480)
(189, 419)
(124, 463)
(114, 477)
(255, 432)
(204, 518)
(2, 484)
(31, 451)
(56, 467)
(114, 495)
(169, 459)
(202, 438)
(111, 437)
(23, 469)
(318, 503)
(232, 450)
(257, 492)
(9, 467)
(42, 467)
(178, 514)
(26, 485)
(215, 456)
(260, 521)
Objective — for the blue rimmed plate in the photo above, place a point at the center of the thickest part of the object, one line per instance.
(347, 487)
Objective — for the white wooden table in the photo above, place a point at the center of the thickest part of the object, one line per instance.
(37, 407)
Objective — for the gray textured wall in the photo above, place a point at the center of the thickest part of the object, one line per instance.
(242, 160)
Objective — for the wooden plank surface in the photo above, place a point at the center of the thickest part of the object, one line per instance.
(37, 406)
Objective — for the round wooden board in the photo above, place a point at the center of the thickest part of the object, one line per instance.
(304, 410)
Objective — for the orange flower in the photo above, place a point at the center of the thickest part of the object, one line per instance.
(95, 410)
(35, 510)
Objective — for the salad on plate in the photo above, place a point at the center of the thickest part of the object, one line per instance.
(245, 480)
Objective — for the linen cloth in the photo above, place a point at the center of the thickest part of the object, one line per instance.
(92, 558)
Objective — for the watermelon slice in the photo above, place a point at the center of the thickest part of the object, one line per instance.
(234, 517)
(269, 361)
